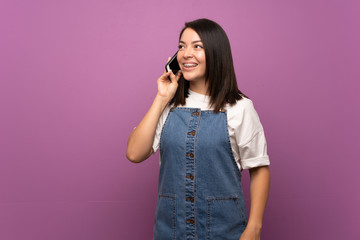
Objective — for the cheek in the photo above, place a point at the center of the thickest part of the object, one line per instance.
(201, 58)
(203, 61)
(179, 56)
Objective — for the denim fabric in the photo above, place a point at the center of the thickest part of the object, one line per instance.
(200, 195)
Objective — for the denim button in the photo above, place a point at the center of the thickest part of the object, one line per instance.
(196, 113)
(190, 176)
(192, 133)
(191, 199)
(191, 155)
(191, 221)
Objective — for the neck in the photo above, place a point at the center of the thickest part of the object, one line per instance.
(199, 87)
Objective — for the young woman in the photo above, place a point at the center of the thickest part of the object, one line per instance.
(207, 132)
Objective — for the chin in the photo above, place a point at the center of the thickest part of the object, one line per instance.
(189, 77)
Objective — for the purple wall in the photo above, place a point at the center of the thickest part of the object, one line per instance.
(77, 76)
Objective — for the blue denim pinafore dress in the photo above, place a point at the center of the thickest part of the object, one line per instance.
(200, 195)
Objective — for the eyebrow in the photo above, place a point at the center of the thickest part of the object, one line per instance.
(191, 42)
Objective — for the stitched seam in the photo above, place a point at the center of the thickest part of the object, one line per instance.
(162, 129)
(194, 164)
(229, 145)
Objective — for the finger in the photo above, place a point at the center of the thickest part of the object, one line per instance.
(174, 78)
(166, 75)
(168, 60)
(178, 75)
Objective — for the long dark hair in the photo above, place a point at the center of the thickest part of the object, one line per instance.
(219, 73)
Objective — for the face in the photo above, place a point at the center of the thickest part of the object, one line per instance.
(191, 56)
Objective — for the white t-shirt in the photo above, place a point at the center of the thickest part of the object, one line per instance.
(246, 133)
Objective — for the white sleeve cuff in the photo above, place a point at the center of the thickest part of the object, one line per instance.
(255, 162)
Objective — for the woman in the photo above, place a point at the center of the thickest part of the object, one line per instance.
(207, 132)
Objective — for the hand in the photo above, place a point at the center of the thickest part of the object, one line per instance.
(250, 234)
(167, 88)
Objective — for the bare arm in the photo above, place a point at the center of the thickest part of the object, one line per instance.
(140, 141)
(259, 191)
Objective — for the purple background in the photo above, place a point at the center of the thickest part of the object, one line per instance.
(77, 76)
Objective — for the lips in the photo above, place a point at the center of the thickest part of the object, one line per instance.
(189, 66)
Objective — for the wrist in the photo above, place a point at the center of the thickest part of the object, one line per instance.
(161, 100)
(254, 226)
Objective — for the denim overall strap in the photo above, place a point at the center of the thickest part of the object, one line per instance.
(200, 194)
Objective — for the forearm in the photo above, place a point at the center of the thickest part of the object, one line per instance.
(140, 141)
(259, 191)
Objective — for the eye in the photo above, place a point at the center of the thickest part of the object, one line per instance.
(180, 47)
(198, 46)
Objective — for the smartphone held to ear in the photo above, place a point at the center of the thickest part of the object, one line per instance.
(172, 65)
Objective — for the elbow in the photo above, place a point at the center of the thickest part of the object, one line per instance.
(132, 158)
(135, 156)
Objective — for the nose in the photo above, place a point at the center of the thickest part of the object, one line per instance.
(188, 53)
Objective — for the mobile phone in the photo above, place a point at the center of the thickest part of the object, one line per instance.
(173, 65)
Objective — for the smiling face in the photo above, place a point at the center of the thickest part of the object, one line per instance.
(191, 58)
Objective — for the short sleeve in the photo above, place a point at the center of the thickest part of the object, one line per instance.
(156, 143)
(249, 136)
(254, 153)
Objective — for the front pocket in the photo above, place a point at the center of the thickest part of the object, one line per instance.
(225, 219)
(165, 218)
